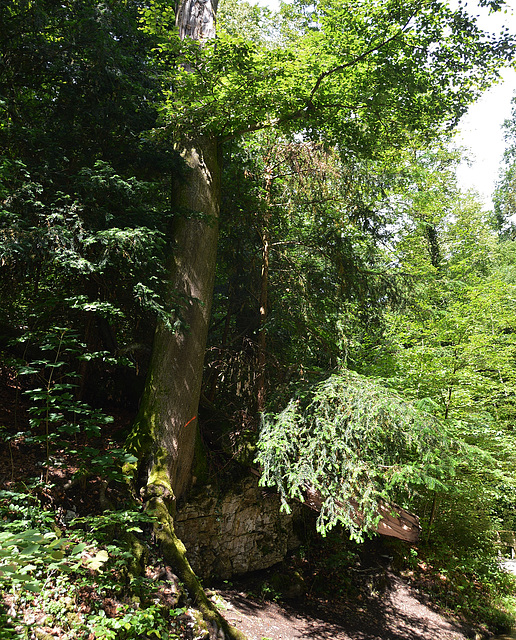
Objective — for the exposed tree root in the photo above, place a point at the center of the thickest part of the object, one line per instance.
(174, 553)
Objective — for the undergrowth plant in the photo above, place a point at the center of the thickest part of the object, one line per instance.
(57, 416)
(32, 546)
(469, 583)
(78, 577)
(40, 553)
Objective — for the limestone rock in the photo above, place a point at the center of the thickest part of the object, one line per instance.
(235, 532)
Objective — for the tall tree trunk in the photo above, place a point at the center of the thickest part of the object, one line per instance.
(164, 433)
(264, 292)
(165, 428)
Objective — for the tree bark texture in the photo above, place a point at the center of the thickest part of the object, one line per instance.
(174, 553)
(196, 18)
(165, 430)
(264, 294)
(166, 425)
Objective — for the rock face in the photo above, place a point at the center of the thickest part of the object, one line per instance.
(235, 532)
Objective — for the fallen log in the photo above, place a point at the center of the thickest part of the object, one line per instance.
(403, 525)
(395, 521)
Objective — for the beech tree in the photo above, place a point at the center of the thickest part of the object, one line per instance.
(451, 347)
(364, 77)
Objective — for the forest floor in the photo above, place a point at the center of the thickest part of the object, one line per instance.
(381, 603)
(399, 613)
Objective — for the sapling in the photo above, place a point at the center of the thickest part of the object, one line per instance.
(58, 417)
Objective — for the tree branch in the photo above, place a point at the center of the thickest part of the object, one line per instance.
(309, 107)
(353, 62)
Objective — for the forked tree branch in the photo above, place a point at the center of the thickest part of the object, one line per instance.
(355, 61)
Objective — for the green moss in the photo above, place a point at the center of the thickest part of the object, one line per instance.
(145, 428)
(174, 552)
(141, 437)
(200, 629)
(159, 472)
(139, 555)
(73, 618)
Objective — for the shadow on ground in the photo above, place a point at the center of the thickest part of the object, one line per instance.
(397, 614)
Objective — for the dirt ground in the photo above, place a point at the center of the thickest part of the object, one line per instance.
(398, 614)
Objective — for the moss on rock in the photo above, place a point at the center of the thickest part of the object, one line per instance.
(174, 553)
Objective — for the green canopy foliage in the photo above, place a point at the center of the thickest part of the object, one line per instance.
(505, 193)
(360, 74)
(323, 220)
(84, 191)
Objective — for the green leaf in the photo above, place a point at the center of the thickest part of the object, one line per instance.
(98, 561)
(78, 548)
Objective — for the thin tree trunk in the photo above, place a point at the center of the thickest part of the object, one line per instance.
(223, 342)
(264, 293)
(432, 516)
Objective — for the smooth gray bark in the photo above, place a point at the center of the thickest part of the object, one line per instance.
(167, 420)
(165, 430)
